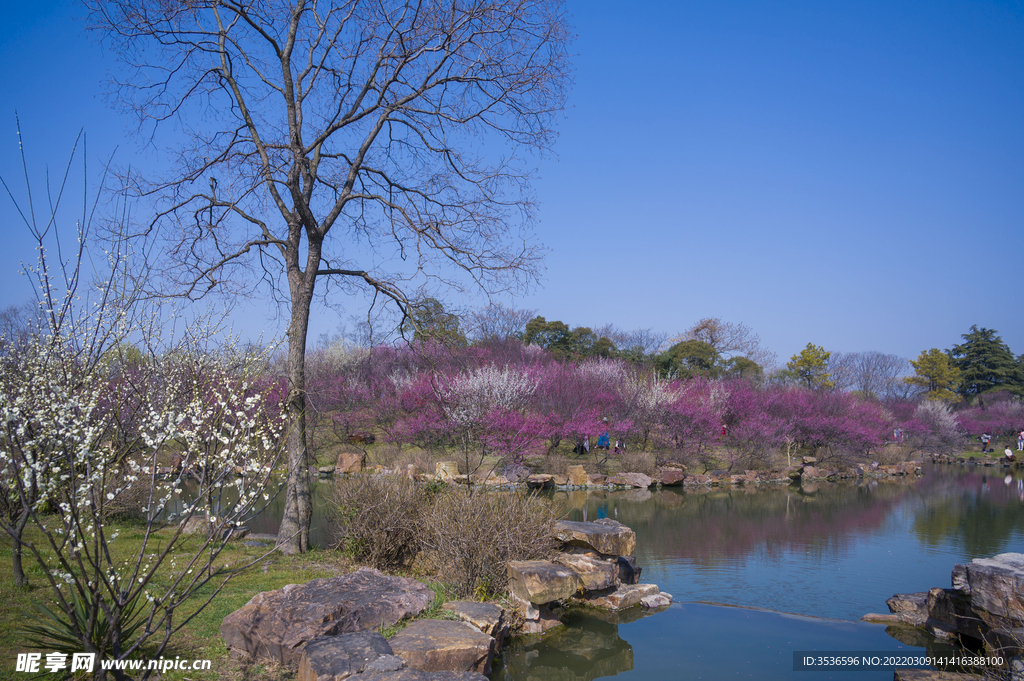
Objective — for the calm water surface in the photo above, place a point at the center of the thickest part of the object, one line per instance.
(760, 573)
(801, 564)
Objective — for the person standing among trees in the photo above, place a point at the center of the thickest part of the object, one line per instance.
(985, 439)
(1020, 440)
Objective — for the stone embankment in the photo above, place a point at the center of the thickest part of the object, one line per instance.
(984, 609)
(595, 566)
(328, 627)
(671, 475)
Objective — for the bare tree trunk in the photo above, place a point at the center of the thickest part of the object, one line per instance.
(19, 530)
(293, 537)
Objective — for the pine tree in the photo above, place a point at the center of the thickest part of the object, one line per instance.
(986, 363)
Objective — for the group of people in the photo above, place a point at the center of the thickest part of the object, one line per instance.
(986, 440)
(604, 441)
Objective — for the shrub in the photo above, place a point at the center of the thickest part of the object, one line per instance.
(376, 519)
(472, 536)
(637, 462)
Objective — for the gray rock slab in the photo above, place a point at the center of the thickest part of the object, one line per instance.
(444, 645)
(621, 597)
(335, 658)
(604, 536)
(276, 624)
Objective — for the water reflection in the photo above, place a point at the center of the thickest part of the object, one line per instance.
(826, 550)
(588, 647)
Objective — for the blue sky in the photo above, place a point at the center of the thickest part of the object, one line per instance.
(847, 173)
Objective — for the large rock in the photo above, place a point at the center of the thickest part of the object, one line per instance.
(604, 536)
(671, 476)
(443, 645)
(539, 480)
(335, 658)
(577, 475)
(485, 617)
(276, 624)
(996, 589)
(350, 462)
(539, 581)
(621, 597)
(631, 480)
(595, 572)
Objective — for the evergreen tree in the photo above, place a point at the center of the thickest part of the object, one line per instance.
(937, 374)
(986, 363)
(809, 368)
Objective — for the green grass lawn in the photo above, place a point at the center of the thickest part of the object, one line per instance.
(200, 638)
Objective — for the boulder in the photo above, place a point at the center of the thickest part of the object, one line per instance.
(595, 572)
(698, 479)
(485, 617)
(350, 462)
(539, 582)
(670, 477)
(326, 470)
(446, 470)
(604, 536)
(276, 624)
(443, 645)
(335, 658)
(631, 480)
(560, 480)
(811, 473)
(996, 589)
(515, 472)
(657, 600)
(596, 479)
(621, 597)
(577, 475)
(539, 480)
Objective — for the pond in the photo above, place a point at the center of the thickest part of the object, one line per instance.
(761, 573)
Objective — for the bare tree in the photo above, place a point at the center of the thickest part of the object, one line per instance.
(382, 146)
(729, 339)
(872, 374)
(497, 322)
(637, 342)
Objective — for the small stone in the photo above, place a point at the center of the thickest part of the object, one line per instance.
(658, 600)
(622, 597)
